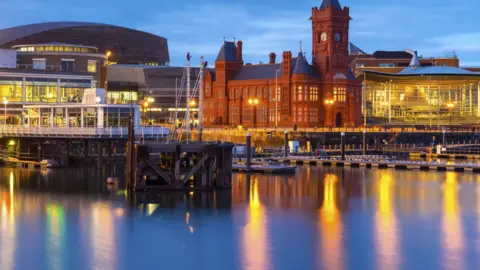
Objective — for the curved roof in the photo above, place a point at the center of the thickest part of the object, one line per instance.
(13, 33)
(436, 70)
(127, 45)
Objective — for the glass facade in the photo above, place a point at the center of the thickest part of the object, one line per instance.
(42, 90)
(121, 97)
(447, 101)
(50, 48)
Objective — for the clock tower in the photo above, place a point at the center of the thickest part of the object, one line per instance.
(330, 24)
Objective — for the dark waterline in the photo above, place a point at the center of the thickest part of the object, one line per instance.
(321, 218)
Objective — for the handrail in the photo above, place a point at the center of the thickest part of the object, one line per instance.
(111, 132)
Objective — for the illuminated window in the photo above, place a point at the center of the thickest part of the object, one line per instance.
(386, 65)
(300, 115)
(259, 92)
(68, 49)
(299, 93)
(339, 94)
(92, 66)
(313, 93)
(39, 49)
(245, 93)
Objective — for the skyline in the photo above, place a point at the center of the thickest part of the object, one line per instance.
(199, 27)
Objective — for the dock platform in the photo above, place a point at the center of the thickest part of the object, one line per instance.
(382, 164)
(263, 168)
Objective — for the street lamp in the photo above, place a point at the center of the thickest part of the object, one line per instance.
(450, 107)
(5, 101)
(98, 99)
(329, 103)
(193, 103)
(108, 54)
(254, 102)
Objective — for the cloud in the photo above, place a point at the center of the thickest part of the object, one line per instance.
(466, 42)
(200, 30)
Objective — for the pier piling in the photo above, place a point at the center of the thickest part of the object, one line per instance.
(249, 151)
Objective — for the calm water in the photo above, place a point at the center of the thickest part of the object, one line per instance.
(321, 218)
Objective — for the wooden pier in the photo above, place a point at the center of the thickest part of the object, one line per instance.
(264, 168)
(381, 164)
(180, 166)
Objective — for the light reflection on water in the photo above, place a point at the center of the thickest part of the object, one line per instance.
(321, 218)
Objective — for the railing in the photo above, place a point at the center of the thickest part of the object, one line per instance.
(107, 132)
(376, 129)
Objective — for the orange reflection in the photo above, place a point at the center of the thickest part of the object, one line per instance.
(56, 230)
(331, 226)
(388, 256)
(254, 236)
(452, 224)
(103, 237)
(7, 226)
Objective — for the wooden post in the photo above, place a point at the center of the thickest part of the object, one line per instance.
(85, 149)
(285, 144)
(65, 160)
(177, 165)
(249, 151)
(342, 148)
(100, 155)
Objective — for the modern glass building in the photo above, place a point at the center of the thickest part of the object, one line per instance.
(435, 95)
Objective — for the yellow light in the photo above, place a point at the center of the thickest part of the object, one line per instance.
(5, 100)
(11, 142)
(108, 53)
(145, 104)
(193, 103)
(150, 99)
(250, 101)
(450, 105)
(329, 101)
(255, 101)
(50, 95)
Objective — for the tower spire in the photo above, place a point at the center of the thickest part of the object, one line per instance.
(334, 3)
(300, 46)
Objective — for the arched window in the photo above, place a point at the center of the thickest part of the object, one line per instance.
(245, 93)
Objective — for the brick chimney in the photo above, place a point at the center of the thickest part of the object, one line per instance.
(287, 64)
(239, 51)
(272, 56)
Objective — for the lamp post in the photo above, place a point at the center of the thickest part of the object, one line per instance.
(329, 103)
(276, 98)
(450, 107)
(145, 106)
(254, 103)
(5, 101)
(150, 100)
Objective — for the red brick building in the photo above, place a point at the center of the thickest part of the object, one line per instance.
(321, 93)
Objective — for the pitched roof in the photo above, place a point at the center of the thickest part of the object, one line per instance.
(228, 52)
(327, 3)
(301, 65)
(262, 71)
(354, 50)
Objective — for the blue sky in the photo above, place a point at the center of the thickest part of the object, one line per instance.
(433, 27)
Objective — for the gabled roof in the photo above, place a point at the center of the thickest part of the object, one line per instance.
(228, 52)
(255, 72)
(327, 3)
(301, 65)
(354, 50)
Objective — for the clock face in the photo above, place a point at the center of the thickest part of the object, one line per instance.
(338, 38)
(323, 37)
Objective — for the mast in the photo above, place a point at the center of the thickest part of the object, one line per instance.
(200, 102)
(187, 118)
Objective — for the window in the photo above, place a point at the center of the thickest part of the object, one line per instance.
(313, 115)
(259, 92)
(92, 66)
(313, 93)
(386, 65)
(278, 94)
(360, 65)
(39, 63)
(262, 113)
(265, 92)
(237, 93)
(67, 64)
(339, 94)
(252, 92)
(247, 114)
(299, 93)
(245, 93)
(300, 114)
(294, 114)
